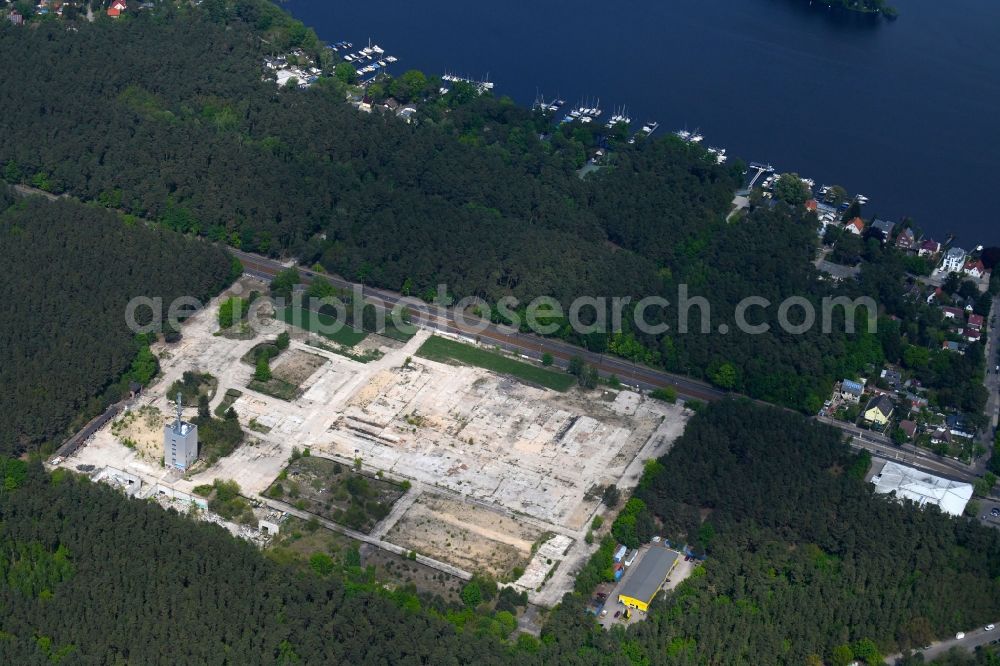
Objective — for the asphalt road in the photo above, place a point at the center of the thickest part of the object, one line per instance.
(533, 346)
(992, 374)
(986, 516)
(907, 454)
(973, 639)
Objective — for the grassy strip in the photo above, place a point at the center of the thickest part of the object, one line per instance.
(366, 357)
(276, 388)
(269, 348)
(445, 350)
(227, 401)
(259, 427)
(312, 321)
(394, 333)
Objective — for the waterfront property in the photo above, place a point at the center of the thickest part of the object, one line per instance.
(954, 260)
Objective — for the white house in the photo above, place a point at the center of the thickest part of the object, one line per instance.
(954, 260)
(974, 268)
(855, 226)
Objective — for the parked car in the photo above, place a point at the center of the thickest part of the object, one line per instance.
(990, 627)
(604, 613)
(960, 635)
(618, 614)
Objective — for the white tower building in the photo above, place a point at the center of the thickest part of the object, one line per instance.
(180, 442)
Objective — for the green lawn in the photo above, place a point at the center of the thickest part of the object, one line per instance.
(276, 388)
(227, 401)
(445, 350)
(311, 321)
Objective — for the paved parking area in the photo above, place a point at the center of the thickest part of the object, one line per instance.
(985, 509)
(682, 569)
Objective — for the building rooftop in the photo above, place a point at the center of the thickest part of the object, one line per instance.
(883, 226)
(882, 403)
(645, 579)
(923, 488)
(851, 386)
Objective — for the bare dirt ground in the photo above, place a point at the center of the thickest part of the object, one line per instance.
(335, 491)
(377, 343)
(295, 366)
(465, 535)
(472, 432)
(400, 571)
(495, 464)
(141, 430)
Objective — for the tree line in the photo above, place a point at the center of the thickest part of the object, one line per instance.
(69, 272)
(804, 563)
(480, 194)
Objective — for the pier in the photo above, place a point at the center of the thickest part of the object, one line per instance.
(761, 169)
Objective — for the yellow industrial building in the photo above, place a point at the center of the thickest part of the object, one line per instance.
(643, 582)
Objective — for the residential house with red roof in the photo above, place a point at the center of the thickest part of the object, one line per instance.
(929, 248)
(855, 226)
(906, 240)
(974, 268)
(116, 8)
(950, 312)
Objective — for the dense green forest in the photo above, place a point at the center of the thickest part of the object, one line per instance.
(802, 557)
(801, 566)
(804, 563)
(183, 130)
(93, 578)
(480, 195)
(69, 271)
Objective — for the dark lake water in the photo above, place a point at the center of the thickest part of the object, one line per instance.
(905, 112)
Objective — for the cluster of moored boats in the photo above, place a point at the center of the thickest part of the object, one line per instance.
(480, 85)
(368, 60)
(698, 137)
(587, 112)
(826, 192)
